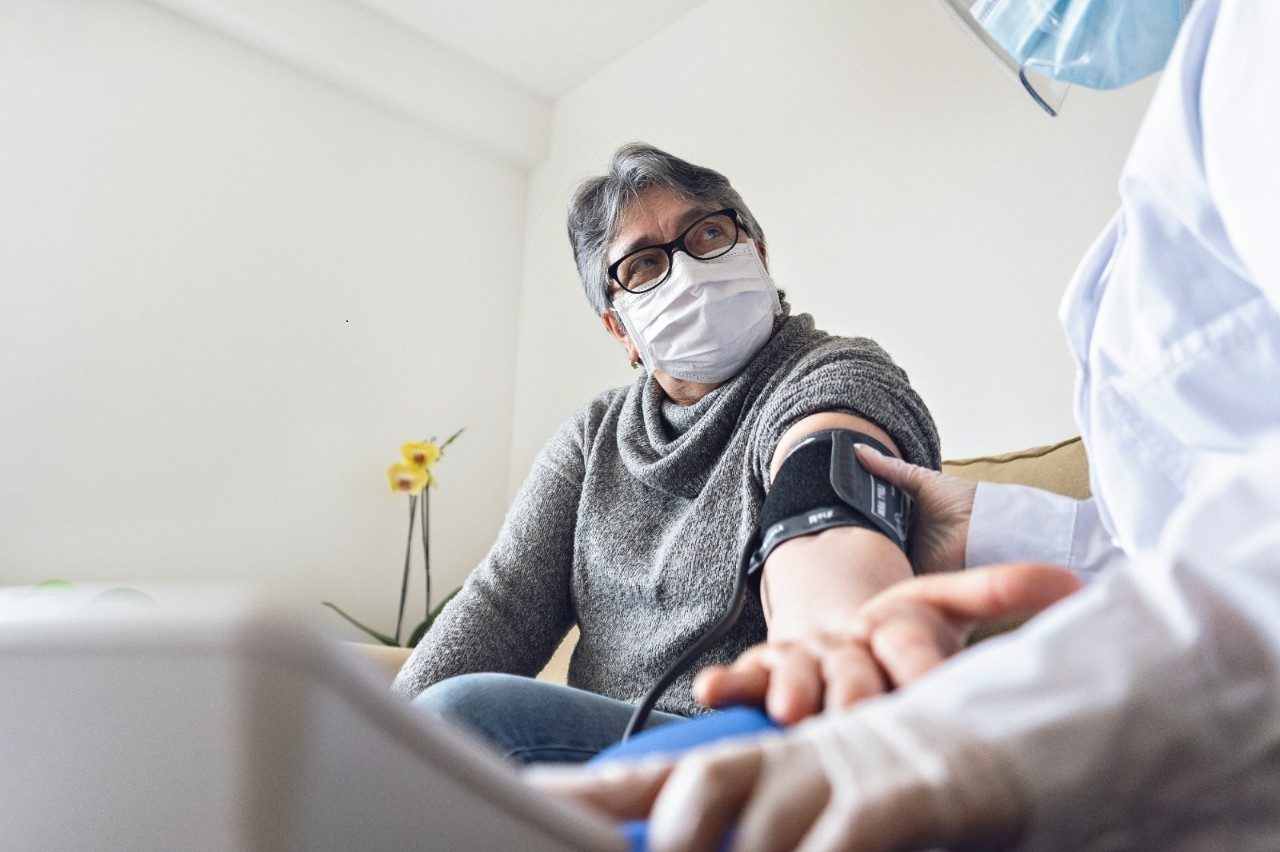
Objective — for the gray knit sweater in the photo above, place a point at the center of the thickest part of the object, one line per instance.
(631, 521)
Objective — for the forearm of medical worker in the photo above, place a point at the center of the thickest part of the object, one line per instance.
(962, 524)
(1017, 523)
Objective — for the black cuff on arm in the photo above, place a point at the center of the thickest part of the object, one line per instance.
(821, 485)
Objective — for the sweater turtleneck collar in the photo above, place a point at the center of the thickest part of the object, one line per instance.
(673, 447)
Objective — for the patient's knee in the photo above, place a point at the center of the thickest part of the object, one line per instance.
(467, 695)
(496, 706)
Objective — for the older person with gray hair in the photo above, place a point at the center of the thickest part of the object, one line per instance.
(635, 513)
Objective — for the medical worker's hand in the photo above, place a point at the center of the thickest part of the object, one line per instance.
(880, 777)
(944, 504)
(894, 638)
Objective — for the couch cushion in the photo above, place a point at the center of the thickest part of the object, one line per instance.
(1062, 468)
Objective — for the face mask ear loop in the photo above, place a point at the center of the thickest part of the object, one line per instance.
(638, 362)
(1035, 96)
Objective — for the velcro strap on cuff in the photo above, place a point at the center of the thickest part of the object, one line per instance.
(820, 486)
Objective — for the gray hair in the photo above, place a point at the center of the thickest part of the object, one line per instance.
(598, 203)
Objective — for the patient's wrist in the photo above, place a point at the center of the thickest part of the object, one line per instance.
(817, 583)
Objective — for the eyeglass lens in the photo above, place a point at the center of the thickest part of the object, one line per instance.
(648, 267)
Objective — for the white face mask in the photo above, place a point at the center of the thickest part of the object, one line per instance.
(705, 322)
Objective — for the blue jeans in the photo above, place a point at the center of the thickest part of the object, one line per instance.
(532, 721)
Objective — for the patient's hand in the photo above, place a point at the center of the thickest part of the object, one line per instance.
(897, 636)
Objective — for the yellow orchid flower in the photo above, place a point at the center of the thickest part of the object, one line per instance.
(407, 479)
(421, 455)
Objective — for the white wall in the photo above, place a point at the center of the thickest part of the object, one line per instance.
(230, 288)
(909, 190)
(228, 292)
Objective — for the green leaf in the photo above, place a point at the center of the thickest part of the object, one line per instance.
(447, 441)
(381, 637)
(448, 598)
(54, 585)
(418, 632)
(451, 439)
(421, 630)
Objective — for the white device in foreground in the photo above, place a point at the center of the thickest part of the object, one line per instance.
(226, 726)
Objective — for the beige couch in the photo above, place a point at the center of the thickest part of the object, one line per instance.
(1060, 467)
(387, 660)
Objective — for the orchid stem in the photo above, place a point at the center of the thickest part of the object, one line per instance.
(408, 552)
(426, 546)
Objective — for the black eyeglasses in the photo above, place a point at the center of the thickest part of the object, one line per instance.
(708, 238)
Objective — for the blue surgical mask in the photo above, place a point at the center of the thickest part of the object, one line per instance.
(1100, 44)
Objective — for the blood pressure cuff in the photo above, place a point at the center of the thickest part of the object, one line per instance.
(821, 485)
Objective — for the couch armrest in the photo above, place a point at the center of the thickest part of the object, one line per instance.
(387, 660)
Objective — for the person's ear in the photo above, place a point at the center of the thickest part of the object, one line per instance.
(619, 332)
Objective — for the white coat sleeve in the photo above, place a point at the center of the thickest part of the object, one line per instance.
(1240, 128)
(1144, 711)
(1016, 523)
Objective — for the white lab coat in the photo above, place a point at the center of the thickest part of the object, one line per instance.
(1144, 712)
